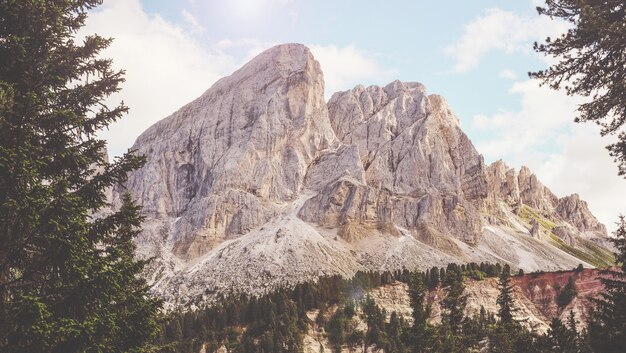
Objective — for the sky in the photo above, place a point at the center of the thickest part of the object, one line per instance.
(474, 53)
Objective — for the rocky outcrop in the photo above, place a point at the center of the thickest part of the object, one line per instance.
(570, 213)
(535, 296)
(533, 193)
(259, 182)
(534, 228)
(421, 170)
(517, 188)
(576, 212)
(503, 183)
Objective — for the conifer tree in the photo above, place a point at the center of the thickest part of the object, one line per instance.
(453, 308)
(560, 338)
(420, 338)
(591, 62)
(455, 302)
(607, 324)
(68, 278)
(506, 307)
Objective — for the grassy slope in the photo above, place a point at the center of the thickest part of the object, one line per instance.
(586, 250)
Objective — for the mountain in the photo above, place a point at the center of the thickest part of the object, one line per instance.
(260, 183)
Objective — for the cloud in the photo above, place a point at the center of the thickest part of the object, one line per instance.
(499, 30)
(345, 67)
(165, 66)
(192, 21)
(567, 157)
(585, 167)
(508, 74)
(544, 115)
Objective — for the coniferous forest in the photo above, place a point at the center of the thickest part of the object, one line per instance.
(70, 280)
(344, 313)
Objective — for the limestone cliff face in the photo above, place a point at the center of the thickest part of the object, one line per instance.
(517, 188)
(259, 182)
(218, 166)
(421, 170)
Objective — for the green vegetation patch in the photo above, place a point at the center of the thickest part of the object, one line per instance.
(594, 254)
(527, 213)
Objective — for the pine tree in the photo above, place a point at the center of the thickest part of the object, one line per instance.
(453, 310)
(591, 62)
(395, 330)
(568, 293)
(506, 307)
(560, 338)
(336, 330)
(421, 335)
(433, 280)
(68, 278)
(455, 302)
(607, 324)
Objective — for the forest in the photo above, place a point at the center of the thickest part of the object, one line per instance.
(277, 322)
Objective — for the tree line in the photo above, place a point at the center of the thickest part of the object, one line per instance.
(277, 322)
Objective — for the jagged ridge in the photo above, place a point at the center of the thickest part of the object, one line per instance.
(259, 183)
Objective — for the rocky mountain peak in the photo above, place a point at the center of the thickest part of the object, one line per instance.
(259, 182)
(576, 212)
(218, 164)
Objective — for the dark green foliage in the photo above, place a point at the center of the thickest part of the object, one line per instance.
(68, 278)
(453, 305)
(560, 338)
(591, 62)
(568, 293)
(337, 330)
(421, 335)
(565, 338)
(506, 307)
(607, 325)
(375, 319)
(396, 333)
(433, 278)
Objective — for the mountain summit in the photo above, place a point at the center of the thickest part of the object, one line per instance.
(259, 182)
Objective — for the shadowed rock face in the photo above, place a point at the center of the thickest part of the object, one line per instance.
(259, 182)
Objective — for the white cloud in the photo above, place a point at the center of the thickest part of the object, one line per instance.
(567, 157)
(346, 67)
(508, 74)
(165, 66)
(584, 166)
(192, 21)
(499, 30)
(545, 114)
